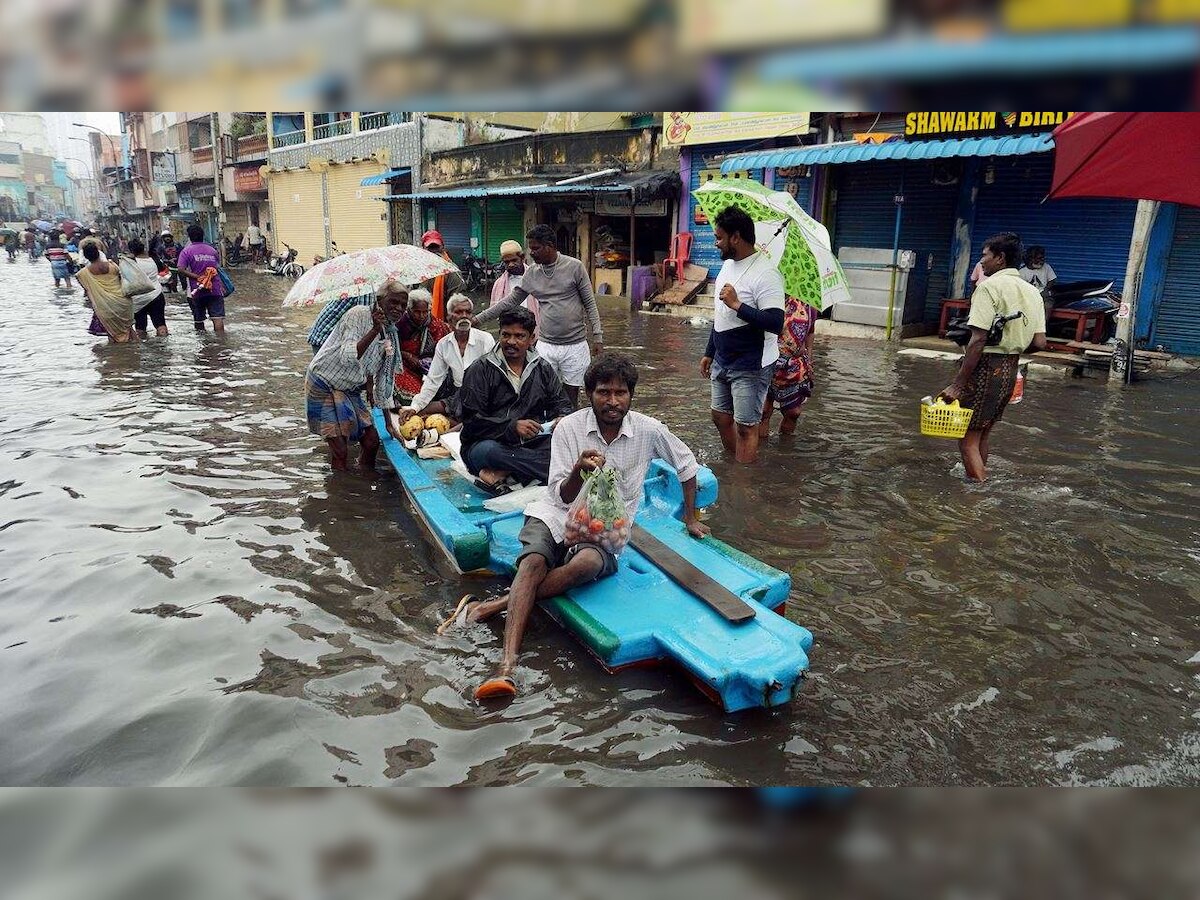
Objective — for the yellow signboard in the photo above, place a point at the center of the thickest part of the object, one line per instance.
(685, 129)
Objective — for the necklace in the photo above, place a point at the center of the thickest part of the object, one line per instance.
(548, 270)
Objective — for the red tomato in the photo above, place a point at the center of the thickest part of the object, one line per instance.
(597, 526)
(582, 516)
(617, 523)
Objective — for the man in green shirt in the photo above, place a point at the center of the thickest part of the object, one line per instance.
(988, 373)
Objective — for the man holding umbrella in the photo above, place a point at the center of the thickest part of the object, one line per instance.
(772, 249)
(744, 343)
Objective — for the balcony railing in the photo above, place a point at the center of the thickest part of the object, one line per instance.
(202, 154)
(340, 128)
(252, 146)
(371, 121)
(288, 139)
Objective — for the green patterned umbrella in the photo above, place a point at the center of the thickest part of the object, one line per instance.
(797, 242)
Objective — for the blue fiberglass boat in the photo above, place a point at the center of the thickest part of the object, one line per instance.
(640, 615)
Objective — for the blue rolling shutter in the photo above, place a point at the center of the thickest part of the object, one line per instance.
(1177, 325)
(865, 215)
(802, 191)
(454, 222)
(704, 244)
(1084, 238)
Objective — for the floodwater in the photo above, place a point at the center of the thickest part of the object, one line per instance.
(188, 595)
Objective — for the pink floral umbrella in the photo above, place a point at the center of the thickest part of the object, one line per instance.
(355, 274)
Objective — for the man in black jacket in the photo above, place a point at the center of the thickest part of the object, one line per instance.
(505, 398)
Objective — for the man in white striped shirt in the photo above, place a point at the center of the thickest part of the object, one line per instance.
(361, 354)
(605, 433)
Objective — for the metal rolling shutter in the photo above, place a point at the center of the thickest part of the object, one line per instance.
(454, 222)
(865, 215)
(357, 218)
(803, 192)
(1084, 238)
(505, 222)
(298, 213)
(1177, 325)
(704, 244)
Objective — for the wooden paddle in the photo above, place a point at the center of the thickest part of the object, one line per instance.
(728, 605)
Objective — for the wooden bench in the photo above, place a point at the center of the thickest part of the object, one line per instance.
(1080, 318)
(949, 306)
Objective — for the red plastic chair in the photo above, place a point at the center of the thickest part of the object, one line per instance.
(681, 251)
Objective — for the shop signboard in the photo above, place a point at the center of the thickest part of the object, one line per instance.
(687, 129)
(248, 180)
(162, 168)
(619, 205)
(976, 123)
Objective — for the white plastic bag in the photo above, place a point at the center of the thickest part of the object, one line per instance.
(133, 279)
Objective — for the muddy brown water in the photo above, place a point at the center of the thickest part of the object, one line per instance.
(188, 595)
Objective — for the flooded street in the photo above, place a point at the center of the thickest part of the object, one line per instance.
(188, 596)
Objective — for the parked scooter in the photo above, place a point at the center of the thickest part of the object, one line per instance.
(1089, 295)
(286, 265)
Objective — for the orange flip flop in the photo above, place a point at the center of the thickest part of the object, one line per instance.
(500, 687)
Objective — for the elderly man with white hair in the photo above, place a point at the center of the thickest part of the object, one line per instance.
(453, 354)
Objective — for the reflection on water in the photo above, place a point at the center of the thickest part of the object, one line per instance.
(189, 596)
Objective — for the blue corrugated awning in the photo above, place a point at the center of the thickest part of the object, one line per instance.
(852, 151)
(383, 177)
(511, 190)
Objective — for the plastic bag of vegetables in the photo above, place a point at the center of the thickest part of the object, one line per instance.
(598, 515)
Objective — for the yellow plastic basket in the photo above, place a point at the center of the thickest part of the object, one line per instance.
(944, 420)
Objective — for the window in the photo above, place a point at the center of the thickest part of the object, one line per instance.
(199, 133)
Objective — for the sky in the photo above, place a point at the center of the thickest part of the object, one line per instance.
(108, 121)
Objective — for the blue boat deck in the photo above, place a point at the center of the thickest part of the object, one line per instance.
(638, 616)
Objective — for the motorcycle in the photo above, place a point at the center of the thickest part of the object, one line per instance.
(477, 272)
(1088, 295)
(234, 254)
(286, 265)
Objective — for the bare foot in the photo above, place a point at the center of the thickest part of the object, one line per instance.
(492, 476)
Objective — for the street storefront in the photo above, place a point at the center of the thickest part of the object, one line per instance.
(245, 201)
(1084, 238)
(327, 203)
(942, 198)
(298, 212)
(612, 224)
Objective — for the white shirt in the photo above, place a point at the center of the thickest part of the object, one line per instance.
(641, 440)
(253, 235)
(759, 284)
(1039, 277)
(337, 362)
(448, 361)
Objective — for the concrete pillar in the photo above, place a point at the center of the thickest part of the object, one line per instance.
(1143, 223)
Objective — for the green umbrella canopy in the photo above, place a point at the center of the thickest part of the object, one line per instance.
(811, 272)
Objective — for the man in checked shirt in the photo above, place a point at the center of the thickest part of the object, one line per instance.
(606, 432)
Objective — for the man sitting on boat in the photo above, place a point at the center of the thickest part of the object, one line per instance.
(451, 358)
(509, 402)
(605, 433)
